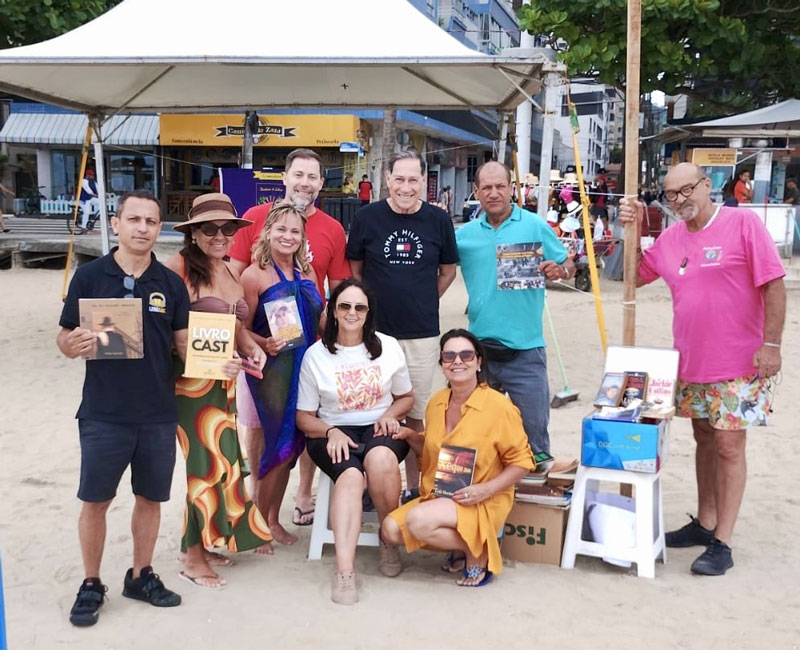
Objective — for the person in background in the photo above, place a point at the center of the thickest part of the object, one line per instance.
(348, 186)
(728, 198)
(404, 250)
(281, 269)
(729, 303)
(354, 391)
(743, 189)
(89, 199)
(365, 190)
(465, 414)
(128, 414)
(791, 195)
(303, 178)
(219, 512)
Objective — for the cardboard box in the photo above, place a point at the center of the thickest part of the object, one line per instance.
(623, 445)
(534, 533)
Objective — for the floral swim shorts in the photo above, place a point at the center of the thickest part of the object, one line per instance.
(730, 405)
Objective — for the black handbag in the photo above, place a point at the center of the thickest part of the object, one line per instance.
(496, 351)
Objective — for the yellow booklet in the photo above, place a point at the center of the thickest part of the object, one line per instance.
(211, 344)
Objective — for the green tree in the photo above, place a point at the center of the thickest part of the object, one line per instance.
(726, 55)
(23, 22)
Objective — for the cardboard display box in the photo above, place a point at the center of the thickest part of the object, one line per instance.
(534, 533)
(624, 445)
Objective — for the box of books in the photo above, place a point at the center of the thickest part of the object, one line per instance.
(534, 532)
(621, 444)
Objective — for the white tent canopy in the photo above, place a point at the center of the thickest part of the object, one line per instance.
(779, 121)
(182, 55)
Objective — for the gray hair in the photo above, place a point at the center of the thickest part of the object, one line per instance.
(407, 154)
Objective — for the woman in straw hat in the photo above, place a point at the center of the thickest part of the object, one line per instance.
(281, 270)
(219, 513)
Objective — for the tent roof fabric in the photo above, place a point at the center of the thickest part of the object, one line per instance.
(61, 129)
(203, 55)
(777, 115)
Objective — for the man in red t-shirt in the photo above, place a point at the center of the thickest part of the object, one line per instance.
(303, 179)
(365, 190)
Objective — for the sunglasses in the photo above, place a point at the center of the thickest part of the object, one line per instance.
(128, 282)
(448, 356)
(344, 307)
(228, 228)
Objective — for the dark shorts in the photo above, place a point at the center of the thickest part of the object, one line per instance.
(107, 448)
(317, 449)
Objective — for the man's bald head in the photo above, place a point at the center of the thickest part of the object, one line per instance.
(686, 172)
(493, 165)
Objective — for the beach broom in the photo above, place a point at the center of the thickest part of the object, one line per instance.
(567, 394)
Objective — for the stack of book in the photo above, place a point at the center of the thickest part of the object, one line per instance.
(550, 486)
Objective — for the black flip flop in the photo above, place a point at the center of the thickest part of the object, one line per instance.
(297, 514)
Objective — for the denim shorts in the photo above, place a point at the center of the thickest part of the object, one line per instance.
(107, 448)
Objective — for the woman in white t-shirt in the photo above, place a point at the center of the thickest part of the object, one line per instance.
(354, 390)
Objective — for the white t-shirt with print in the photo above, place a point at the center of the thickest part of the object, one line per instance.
(349, 388)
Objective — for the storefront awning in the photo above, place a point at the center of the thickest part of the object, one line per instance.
(67, 129)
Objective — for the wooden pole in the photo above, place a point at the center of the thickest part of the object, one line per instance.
(631, 190)
(87, 142)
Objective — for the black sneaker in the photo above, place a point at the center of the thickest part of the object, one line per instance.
(148, 587)
(87, 605)
(715, 560)
(692, 534)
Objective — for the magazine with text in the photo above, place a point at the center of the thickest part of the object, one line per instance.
(284, 321)
(454, 469)
(211, 343)
(117, 325)
(518, 266)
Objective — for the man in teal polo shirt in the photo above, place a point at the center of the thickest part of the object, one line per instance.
(506, 254)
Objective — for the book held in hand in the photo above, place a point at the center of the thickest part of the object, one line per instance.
(454, 469)
(284, 321)
(211, 343)
(518, 266)
(610, 393)
(117, 325)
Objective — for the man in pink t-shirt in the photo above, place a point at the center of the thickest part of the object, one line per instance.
(729, 302)
(303, 179)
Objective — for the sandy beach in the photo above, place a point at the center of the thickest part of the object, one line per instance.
(283, 601)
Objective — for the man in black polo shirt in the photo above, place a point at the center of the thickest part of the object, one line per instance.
(128, 414)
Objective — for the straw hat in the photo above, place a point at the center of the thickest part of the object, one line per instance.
(530, 180)
(213, 206)
(571, 178)
(573, 207)
(555, 176)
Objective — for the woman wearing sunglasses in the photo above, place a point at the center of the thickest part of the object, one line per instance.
(281, 269)
(465, 414)
(354, 390)
(219, 513)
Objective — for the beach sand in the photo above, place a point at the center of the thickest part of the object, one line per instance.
(283, 601)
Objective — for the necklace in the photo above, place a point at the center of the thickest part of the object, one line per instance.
(685, 260)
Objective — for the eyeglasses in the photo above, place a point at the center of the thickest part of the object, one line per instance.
(686, 191)
(345, 307)
(129, 282)
(228, 228)
(448, 356)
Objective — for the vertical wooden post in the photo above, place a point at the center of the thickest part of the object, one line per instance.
(630, 269)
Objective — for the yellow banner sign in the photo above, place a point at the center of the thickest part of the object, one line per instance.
(714, 157)
(273, 130)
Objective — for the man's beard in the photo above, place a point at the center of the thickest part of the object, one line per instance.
(687, 211)
(301, 202)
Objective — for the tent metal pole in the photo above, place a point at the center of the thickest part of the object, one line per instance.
(99, 163)
(87, 141)
(501, 145)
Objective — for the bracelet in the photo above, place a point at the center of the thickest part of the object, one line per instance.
(771, 345)
(328, 430)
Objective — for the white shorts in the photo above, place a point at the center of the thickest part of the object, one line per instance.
(422, 355)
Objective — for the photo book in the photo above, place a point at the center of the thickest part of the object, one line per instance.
(211, 343)
(284, 321)
(610, 393)
(117, 324)
(454, 469)
(518, 266)
(635, 387)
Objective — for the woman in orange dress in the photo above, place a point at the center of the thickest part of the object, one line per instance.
(466, 414)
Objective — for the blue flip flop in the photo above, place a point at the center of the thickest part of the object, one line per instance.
(473, 572)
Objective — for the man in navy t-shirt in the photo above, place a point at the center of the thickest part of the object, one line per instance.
(405, 250)
(128, 414)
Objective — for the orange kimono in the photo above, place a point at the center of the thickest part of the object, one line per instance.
(491, 424)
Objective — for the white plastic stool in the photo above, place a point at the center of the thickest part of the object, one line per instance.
(321, 532)
(649, 520)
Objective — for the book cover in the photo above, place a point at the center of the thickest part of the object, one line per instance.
(635, 387)
(117, 324)
(454, 469)
(211, 343)
(518, 266)
(660, 393)
(610, 393)
(284, 321)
